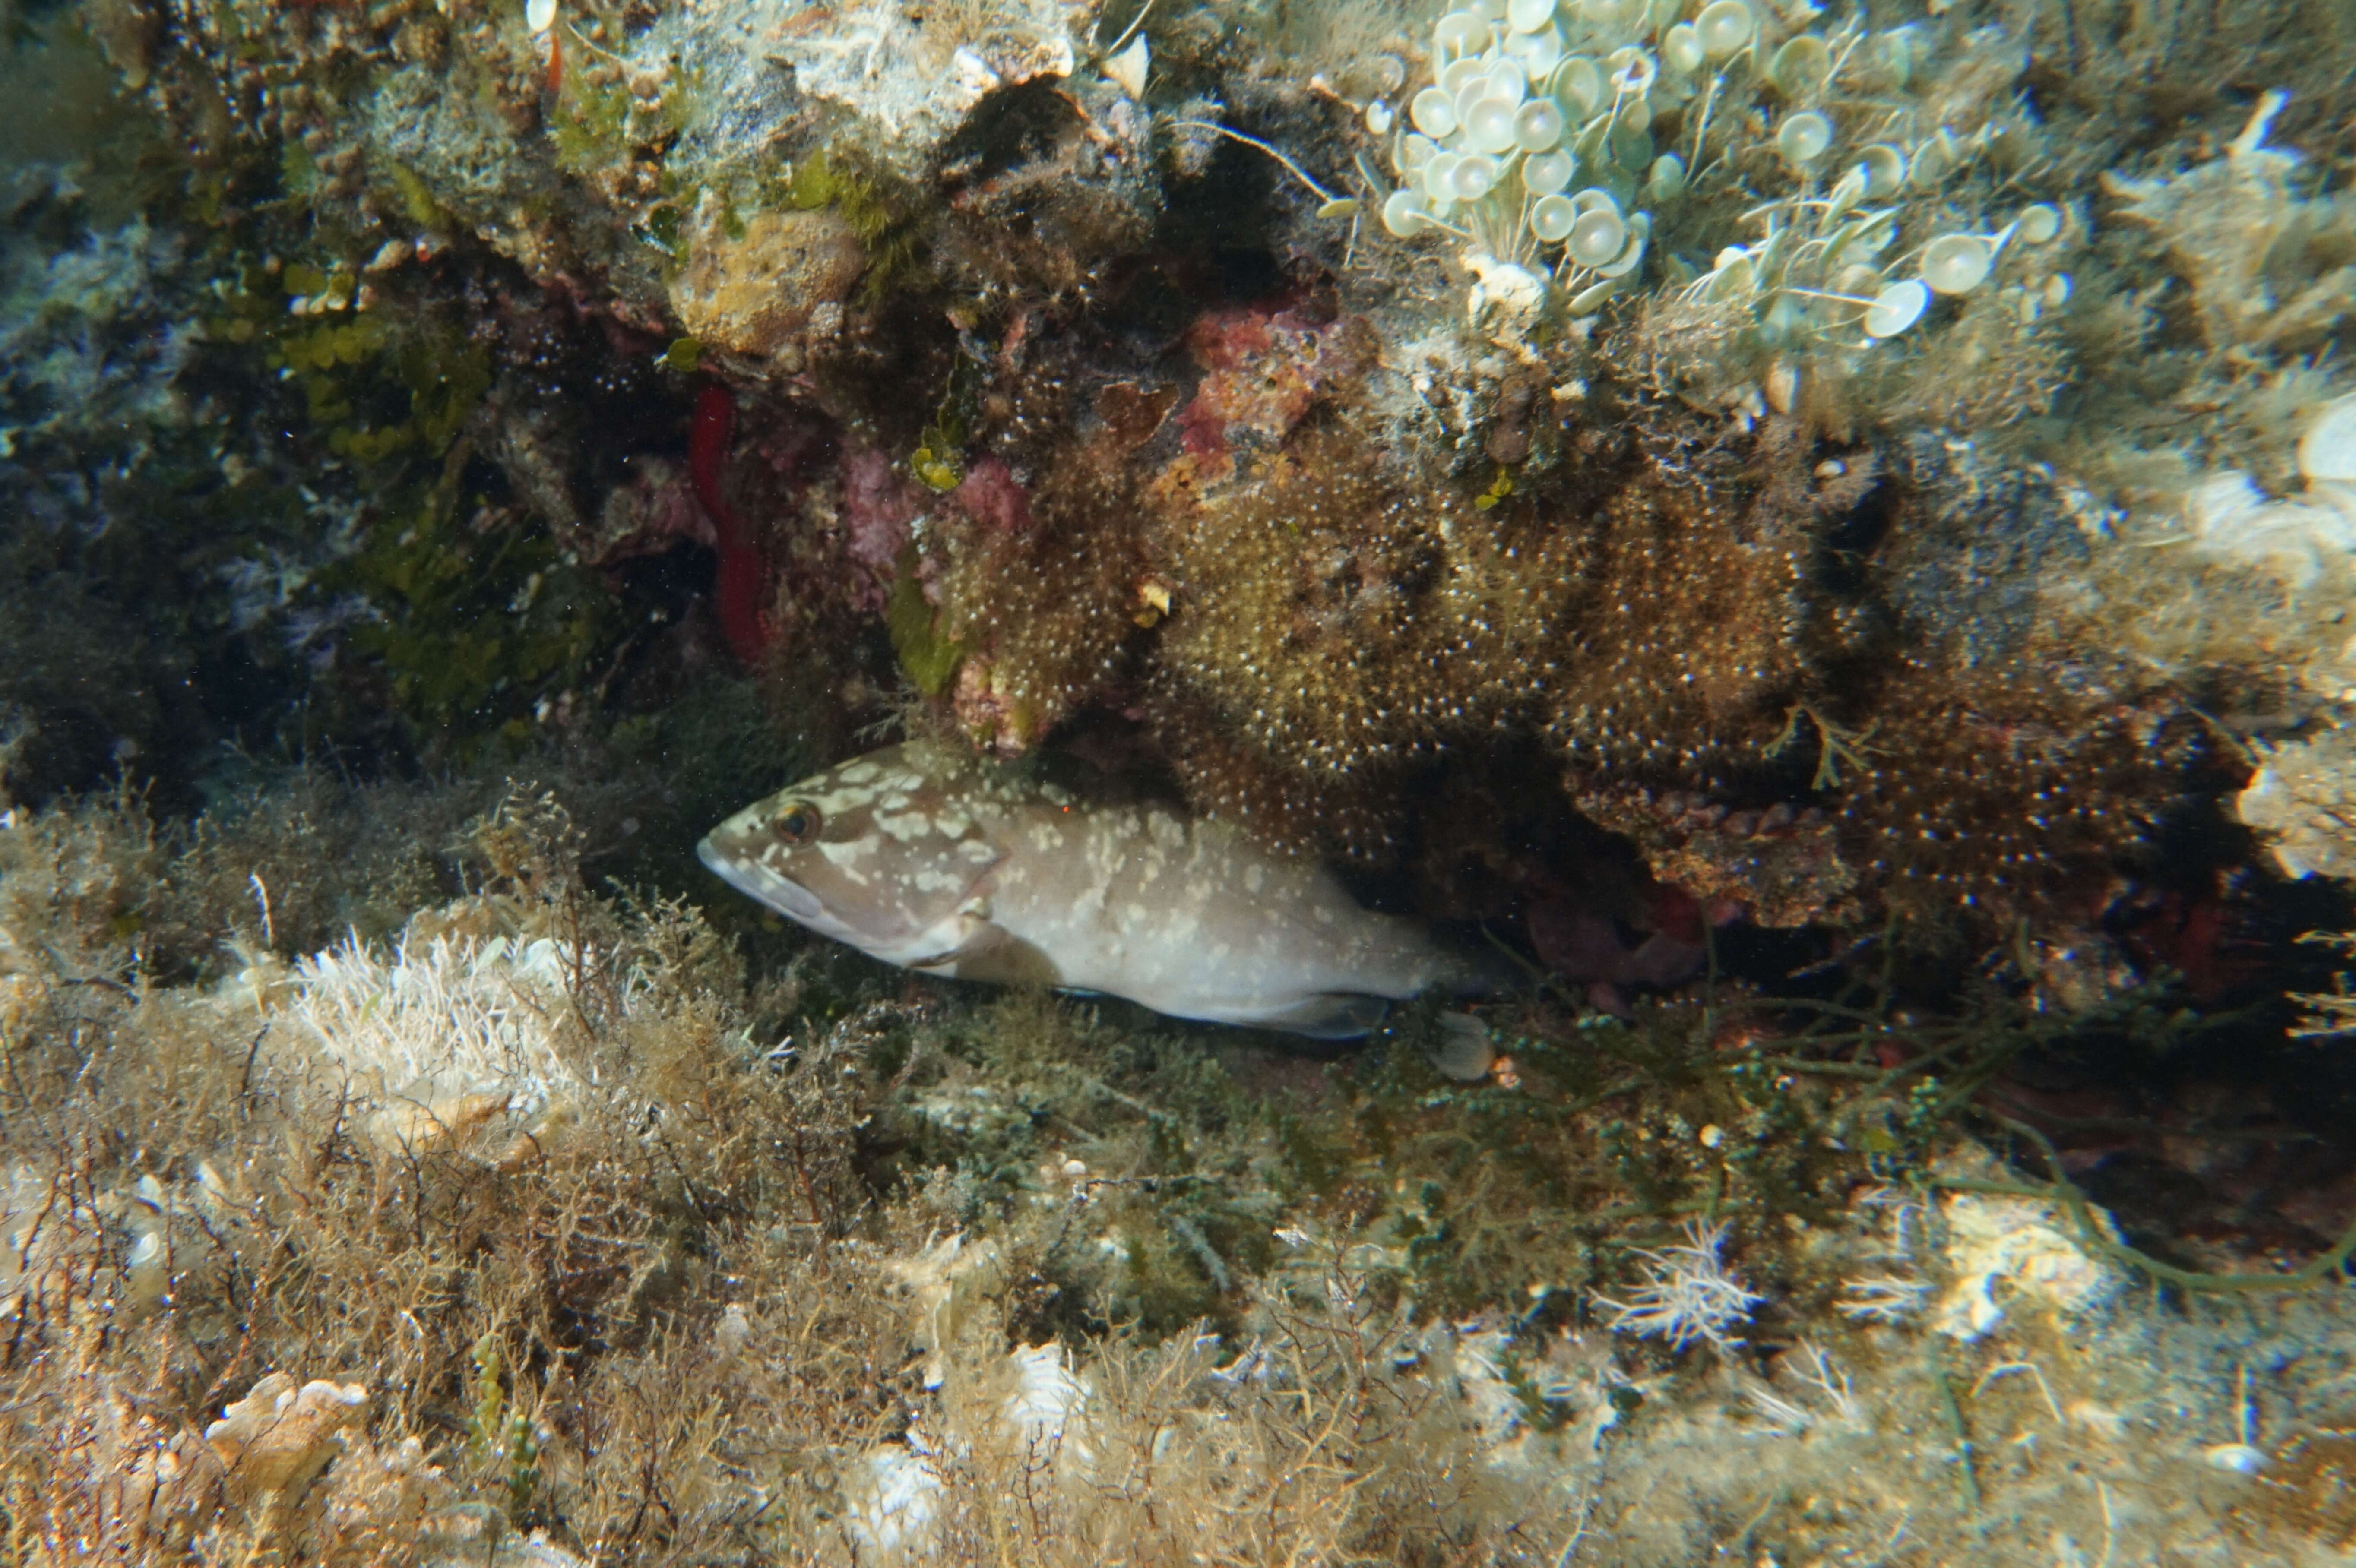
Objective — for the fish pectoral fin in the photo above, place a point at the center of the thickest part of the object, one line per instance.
(966, 933)
(1329, 1015)
(990, 952)
(1007, 959)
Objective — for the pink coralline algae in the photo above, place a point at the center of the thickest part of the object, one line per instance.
(878, 506)
(991, 494)
(1262, 371)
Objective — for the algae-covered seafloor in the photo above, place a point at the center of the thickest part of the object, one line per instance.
(1811, 548)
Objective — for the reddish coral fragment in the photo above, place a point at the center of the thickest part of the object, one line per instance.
(1201, 432)
(1223, 339)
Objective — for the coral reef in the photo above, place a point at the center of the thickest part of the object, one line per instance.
(1825, 537)
(1117, 383)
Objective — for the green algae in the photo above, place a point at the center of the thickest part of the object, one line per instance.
(595, 127)
(418, 201)
(927, 656)
(880, 213)
(474, 629)
(938, 460)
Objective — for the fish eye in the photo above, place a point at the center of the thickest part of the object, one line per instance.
(798, 824)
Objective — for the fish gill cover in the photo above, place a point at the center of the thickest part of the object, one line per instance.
(1816, 541)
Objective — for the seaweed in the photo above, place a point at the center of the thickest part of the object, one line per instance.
(880, 213)
(927, 657)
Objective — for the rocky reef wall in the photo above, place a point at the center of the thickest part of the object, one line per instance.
(1863, 419)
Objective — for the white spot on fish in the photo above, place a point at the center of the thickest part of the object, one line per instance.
(857, 773)
(907, 827)
(848, 856)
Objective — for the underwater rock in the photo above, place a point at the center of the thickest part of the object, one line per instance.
(2269, 269)
(912, 80)
(2022, 1246)
(2302, 536)
(649, 515)
(2302, 802)
(1780, 865)
(2234, 520)
(279, 1438)
(752, 292)
(1584, 946)
(894, 1501)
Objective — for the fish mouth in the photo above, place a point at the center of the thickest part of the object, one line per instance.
(756, 881)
